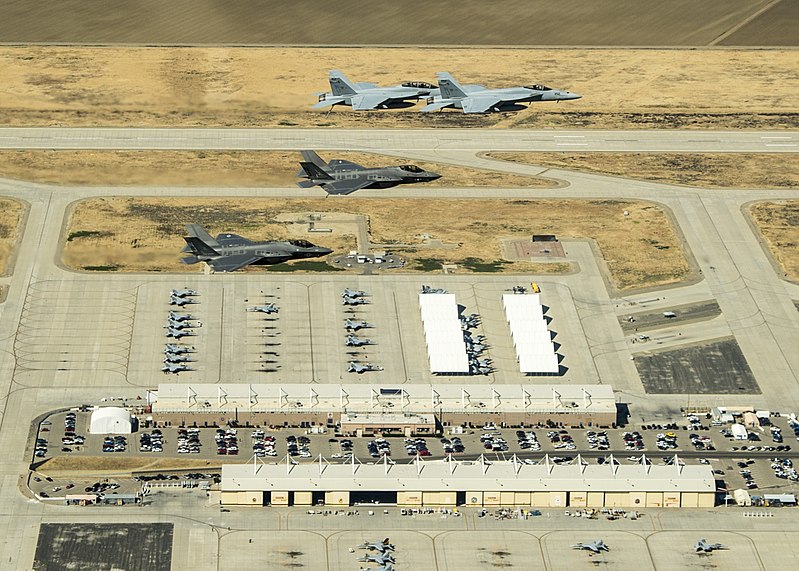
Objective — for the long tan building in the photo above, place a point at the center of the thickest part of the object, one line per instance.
(476, 483)
(324, 404)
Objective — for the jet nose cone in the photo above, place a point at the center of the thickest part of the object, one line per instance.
(433, 175)
(324, 251)
(569, 95)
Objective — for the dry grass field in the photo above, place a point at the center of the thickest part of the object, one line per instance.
(351, 22)
(274, 87)
(64, 466)
(212, 168)
(719, 170)
(11, 216)
(144, 234)
(778, 222)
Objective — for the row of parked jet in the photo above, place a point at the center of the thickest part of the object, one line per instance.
(352, 298)
(702, 546)
(381, 552)
(179, 324)
(449, 93)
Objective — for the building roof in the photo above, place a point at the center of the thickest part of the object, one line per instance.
(443, 334)
(401, 398)
(110, 419)
(480, 475)
(386, 418)
(531, 338)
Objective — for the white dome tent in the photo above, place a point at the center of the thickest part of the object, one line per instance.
(110, 420)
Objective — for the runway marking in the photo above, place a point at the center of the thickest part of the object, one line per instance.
(780, 144)
(572, 144)
(569, 136)
(776, 137)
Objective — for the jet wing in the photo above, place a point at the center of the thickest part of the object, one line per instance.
(369, 101)
(346, 186)
(232, 239)
(436, 106)
(233, 263)
(480, 103)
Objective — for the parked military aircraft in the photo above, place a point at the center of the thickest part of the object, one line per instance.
(354, 301)
(180, 301)
(702, 546)
(183, 292)
(356, 367)
(175, 316)
(177, 349)
(594, 546)
(381, 558)
(386, 567)
(175, 368)
(428, 289)
(354, 341)
(229, 252)
(177, 324)
(178, 333)
(363, 96)
(352, 293)
(479, 99)
(172, 358)
(353, 325)
(268, 308)
(382, 546)
(344, 177)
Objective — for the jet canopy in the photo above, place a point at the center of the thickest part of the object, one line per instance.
(301, 243)
(411, 168)
(419, 85)
(539, 87)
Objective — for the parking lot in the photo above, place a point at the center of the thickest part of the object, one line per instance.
(763, 465)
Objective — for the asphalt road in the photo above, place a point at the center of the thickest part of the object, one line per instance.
(684, 141)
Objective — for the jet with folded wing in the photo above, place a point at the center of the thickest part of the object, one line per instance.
(229, 252)
(345, 177)
(480, 99)
(364, 96)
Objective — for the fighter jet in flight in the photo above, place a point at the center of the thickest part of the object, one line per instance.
(230, 252)
(479, 99)
(356, 367)
(594, 546)
(342, 177)
(363, 96)
(702, 546)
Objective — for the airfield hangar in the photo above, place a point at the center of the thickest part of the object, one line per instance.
(406, 409)
(454, 483)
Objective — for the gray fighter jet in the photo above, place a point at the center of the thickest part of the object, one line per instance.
(354, 301)
(386, 567)
(177, 349)
(175, 368)
(230, 252)
(382, 546)
(180, 301)
(356, 367)
(702, 546)
(479, 99)
(268, 308)
(178, 333)
(352, 293)
(175, 316)
(363, 96)
(172, 358)
(354, 341)
(341, 177)
(183, 293)
(594, 546)
(178, 325)
(353, 325)
(380, 558)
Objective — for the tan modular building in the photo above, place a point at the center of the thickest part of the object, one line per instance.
(380, 423)
(473, 483)
(326, 404)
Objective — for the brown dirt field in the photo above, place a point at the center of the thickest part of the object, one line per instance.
(212, 168)
(445, 22)
(62, 465)
(718, 170)
(779, 224)
(273, 87)
(776, 27)
(11, 214)
(640, 249)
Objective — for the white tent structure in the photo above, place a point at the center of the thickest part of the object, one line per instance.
(531, 339)
(110, 420)
(443, 333)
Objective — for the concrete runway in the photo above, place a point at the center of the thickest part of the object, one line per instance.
(381, 140)
(68, 338)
